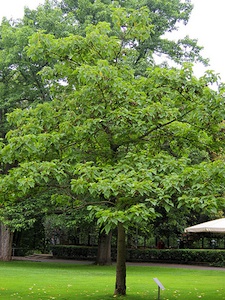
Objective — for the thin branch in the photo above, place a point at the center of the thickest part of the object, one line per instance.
(160, 126)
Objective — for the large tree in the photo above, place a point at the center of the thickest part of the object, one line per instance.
(20, 81)
(118, 143)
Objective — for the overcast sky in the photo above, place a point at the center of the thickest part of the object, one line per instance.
(207, 23)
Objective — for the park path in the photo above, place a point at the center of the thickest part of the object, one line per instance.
(48, 258)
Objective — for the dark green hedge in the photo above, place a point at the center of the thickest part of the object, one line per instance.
(179, 256)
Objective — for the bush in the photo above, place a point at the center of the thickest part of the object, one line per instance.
(179, 256)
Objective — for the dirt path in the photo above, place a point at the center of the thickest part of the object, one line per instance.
(41, 258)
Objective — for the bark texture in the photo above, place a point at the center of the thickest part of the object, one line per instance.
(120, 287)
(104, 249)
(6, 237)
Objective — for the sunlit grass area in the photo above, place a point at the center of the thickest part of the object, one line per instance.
(36, 280)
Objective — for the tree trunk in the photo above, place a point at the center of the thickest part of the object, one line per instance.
(104, 249)
(120, 287)
(6, 237)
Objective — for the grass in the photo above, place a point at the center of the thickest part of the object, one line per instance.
(36, 280)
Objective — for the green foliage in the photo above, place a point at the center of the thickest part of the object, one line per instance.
(20, 84)
(50, 18)
(109, 139)
(22, 214)
(164, 16)
(108, 219)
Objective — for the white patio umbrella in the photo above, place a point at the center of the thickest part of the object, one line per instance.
(217, 226)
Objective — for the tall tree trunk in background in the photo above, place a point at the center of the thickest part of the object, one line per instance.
(104, 249)
(120, 287)
(6, 237)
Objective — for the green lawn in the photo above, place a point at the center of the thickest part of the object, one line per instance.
(35, 280)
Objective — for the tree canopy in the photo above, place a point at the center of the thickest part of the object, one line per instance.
(20, 83)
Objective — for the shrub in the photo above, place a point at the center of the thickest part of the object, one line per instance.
(180, 256)
(211, 257)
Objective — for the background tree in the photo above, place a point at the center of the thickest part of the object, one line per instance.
(166, 16)
(117, 143)
(20, 84)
